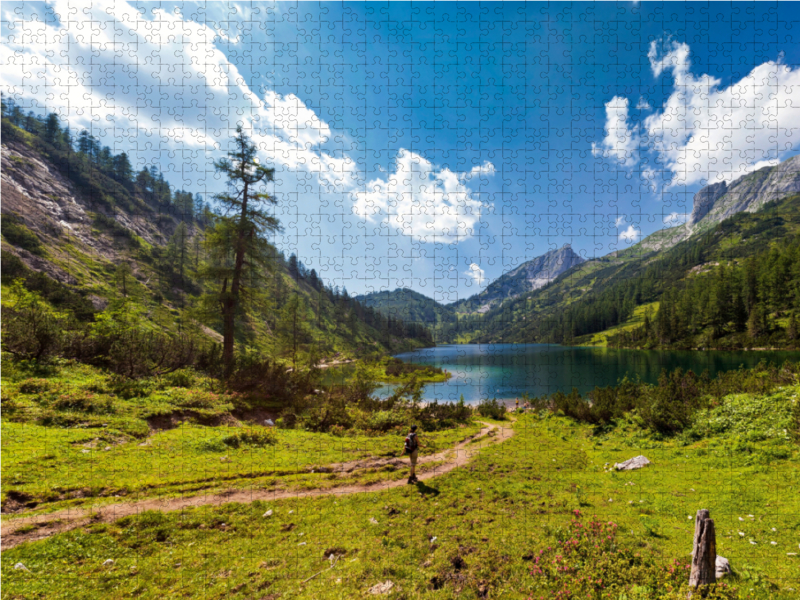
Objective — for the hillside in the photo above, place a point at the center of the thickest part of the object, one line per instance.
(529, 276)
(88, 235)
(719, 201)
(734, 285)
(413, 307)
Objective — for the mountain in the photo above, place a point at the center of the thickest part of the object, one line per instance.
(413, 307)
(89, 235)
(715, 203)
(729, 278)
(410, 306)
(529, 276)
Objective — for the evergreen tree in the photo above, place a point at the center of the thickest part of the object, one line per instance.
(791, 329)
(238, 247)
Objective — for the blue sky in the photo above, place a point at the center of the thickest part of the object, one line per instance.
(430, 146)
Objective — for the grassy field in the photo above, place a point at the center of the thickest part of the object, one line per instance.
(637, 320)
(71, 436)
(541, 515)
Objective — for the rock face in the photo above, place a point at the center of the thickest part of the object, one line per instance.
(527, 277)
(637, 462)
(715, 203)
(749, 193)
(704, 200)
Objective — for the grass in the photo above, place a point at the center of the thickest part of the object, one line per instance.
(475, 532)
(637, 320)
(74, 435)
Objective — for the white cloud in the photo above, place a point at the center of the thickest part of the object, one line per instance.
(706, 132)
(643, 104)
(675, 218)
(476, 274)
(619, 221)
(486, 168)
(426, 203)
(160, 83)
(621, 142)
(630, 235)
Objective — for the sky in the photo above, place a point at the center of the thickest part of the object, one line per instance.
(421, 145)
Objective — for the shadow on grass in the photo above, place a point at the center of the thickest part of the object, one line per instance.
(425, 489)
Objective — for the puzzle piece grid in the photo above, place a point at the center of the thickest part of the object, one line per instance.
(405, 168)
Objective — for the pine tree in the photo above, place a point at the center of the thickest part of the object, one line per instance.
(239, 251)
(791, 329)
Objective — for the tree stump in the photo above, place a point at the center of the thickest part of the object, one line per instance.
(704, 551)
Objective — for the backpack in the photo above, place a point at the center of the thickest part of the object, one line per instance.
(410, 443)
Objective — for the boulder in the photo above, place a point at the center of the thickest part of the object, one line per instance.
(723, 567)
(637, 462)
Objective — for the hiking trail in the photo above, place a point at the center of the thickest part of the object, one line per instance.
(37, 527)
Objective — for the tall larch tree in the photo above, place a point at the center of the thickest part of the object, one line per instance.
(239, 252)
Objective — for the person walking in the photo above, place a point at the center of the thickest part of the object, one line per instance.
(411, 447)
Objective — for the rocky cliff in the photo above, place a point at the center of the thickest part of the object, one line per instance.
(529, 276)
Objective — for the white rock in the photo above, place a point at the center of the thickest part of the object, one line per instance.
(269, 423)
(381, 588)
(373, 520)
(723, 567)
(637, 462)
(108, 562)
(268, 513)
(20, 567)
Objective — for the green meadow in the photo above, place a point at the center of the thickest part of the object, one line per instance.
(541, 515)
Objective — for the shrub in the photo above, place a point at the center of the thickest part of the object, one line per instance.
(31, 330)
(19, 235)
(587, 561)
(184, 378)
(491, 409)
(84, 402)
(33, 386)
(257, 438)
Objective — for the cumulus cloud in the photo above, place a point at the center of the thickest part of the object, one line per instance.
(427, 203)
(630, 235)
(643, 104)
(476, 274)
(704, 131)
(106, 72)
(621, 141)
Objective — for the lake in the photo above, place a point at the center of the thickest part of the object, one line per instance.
(505, 371)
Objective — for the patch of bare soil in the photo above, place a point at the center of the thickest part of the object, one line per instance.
(18, 531)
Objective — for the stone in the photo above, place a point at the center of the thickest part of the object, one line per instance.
(722, 567)
(268, 513)
(637, 462)
(381, 588)
(20, 567)
(108, 562)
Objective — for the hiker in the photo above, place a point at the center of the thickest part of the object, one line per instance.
(517, 405)
(411, 447)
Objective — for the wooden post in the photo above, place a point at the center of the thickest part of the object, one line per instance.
(704, 552)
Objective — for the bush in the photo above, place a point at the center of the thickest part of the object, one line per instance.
(31, 330)
(19, 235)
(587, 561)
(491, 409)
(257, 438)
(84, 402)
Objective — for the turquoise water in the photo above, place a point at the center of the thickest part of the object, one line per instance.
(505, 371)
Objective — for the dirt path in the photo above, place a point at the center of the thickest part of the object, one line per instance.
(37, 527)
